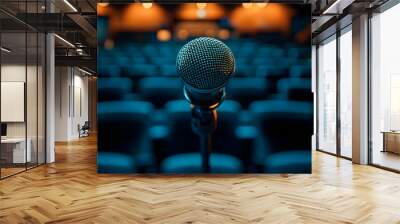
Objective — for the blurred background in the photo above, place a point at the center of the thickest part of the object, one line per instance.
(144, 121)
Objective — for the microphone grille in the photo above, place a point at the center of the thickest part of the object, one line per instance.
(205, 63)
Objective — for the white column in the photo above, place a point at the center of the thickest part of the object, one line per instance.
(314, 91)
(50, 92)
(360, 90)
(50, 98)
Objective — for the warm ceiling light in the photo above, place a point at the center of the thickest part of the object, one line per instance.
(104, 4)
(5, 50)
(201, 5)
(223, 34)
(147, 5)
(70, 5)
(247, 5)
(64, 40)
(201, 13)
(261, 4)
(182, 34)
(164, 35)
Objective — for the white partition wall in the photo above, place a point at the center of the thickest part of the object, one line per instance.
(71, 102)
(14, 143)
(22, 101)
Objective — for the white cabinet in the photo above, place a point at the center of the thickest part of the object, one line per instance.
(19, 155)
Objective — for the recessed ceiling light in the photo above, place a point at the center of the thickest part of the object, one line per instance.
(70, 5)
(337, 7)
(64, 40)
(84, 71)
(147, 5)
(5, 50)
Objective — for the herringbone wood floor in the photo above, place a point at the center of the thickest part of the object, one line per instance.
(70, 191)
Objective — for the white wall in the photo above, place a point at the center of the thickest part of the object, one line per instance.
(62, 82)
(17, 72)
(70, 83)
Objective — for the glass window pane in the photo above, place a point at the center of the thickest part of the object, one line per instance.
(31, 100)
(23, 86)
(327, 96)
(13, 86)
(386, 88)
(346, 94)
(41, 98)
(32, 86)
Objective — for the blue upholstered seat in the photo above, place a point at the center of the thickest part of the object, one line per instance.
(284, 142)
(168, 70)
(140, 70)
(244, 70)
(295, 161)
(191, 163)
(160, 90)
(108, 69)
(112, 162)
(123, 136)
(296, 89)
(301, 71)
(247, 89)
(113, 88)
(180, 141)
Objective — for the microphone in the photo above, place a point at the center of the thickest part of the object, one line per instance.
(205, 65)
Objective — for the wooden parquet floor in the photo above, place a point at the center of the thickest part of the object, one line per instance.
(70, 191)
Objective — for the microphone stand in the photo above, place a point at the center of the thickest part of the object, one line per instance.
(204, 119)
(204, 123)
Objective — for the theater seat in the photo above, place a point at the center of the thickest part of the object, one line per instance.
(272, 73)
(296, 89)
(140, 70)
(285, 135)
(106, 70)
(113, 88)
(111, 162)
(160, 90)
(123, 136)
(301, 71)
(299, 52)
(191, 163)
(180, 142)
(247, 90)
(244, 70)
(295, 161)
(168, 70)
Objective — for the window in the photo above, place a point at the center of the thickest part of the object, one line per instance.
(385, 89)
(327, 96)
(346, 92)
